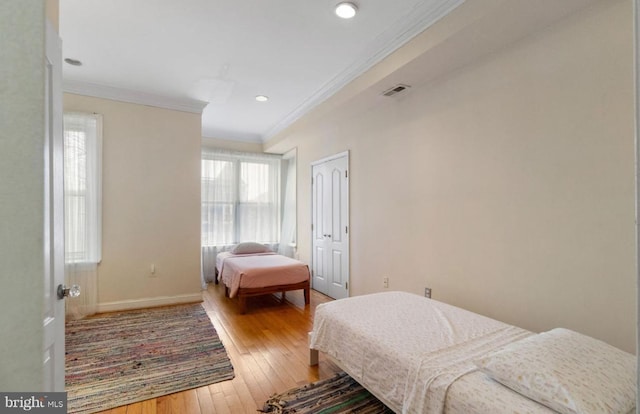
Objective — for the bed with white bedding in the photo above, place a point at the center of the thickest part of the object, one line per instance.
(422, 356)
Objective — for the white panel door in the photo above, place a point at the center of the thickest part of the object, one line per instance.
(330, 226)
(53, 309)
(318, 230)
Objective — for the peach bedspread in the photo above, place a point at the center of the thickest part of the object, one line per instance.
(261, 271)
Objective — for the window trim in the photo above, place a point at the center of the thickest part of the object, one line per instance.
(93, 253)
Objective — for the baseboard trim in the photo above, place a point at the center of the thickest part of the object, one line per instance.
(148, 302)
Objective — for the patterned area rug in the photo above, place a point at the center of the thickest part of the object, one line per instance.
(121, 358)
(337, 395)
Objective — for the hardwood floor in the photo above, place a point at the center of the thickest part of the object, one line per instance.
(268, 347)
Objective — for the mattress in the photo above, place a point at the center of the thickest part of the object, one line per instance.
(416, 355)
(220, 257)
(260, 271)
(220, 260)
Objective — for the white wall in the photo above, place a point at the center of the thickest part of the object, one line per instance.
(507, 186)
(151, 203)
(22, 134)
(232, 145)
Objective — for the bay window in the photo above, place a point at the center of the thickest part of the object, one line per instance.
(240, 198)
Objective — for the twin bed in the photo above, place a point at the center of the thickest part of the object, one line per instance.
(251, 269)
(418, 355)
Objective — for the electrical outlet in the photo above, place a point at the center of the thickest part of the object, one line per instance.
(427, 292)
(385, 282)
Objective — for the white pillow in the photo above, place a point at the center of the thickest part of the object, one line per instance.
(249, 247)
(566, 371)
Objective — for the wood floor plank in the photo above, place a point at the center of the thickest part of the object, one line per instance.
(149, 406)
(233, 401)
(204, 400)
(268, 347)
(219, 402)
(243, 393)
(134, 408)
(191, 401)
(163, 405)
(177, 402)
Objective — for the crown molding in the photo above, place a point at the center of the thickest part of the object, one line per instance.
(131, 96)
(216, 133)
(404, 29)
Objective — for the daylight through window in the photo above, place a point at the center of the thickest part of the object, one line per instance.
(240, 198)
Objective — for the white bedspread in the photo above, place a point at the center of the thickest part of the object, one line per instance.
(406, 349)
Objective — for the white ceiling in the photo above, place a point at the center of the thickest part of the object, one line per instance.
(225, 52)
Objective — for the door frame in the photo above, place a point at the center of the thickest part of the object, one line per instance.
(54, 308)
(332, 157)
(342, 154)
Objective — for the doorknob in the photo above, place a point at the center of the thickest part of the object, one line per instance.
(73, 291)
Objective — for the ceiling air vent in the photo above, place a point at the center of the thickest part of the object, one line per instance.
(395, 89)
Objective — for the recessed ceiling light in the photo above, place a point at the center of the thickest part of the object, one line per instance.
(346, 10)
(73, 62)
(262, 98)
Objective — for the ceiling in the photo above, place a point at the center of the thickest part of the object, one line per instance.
(220, 54)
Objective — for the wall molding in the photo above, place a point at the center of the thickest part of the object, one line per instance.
(416, 21)
(131, 96)
(148, 302)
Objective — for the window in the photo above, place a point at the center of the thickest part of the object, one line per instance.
(240, 198)
(82, 187)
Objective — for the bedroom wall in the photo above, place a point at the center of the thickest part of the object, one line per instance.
(507, 186)
(232, 145)
(151, 203)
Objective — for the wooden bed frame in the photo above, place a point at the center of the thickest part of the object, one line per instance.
(244, 293)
